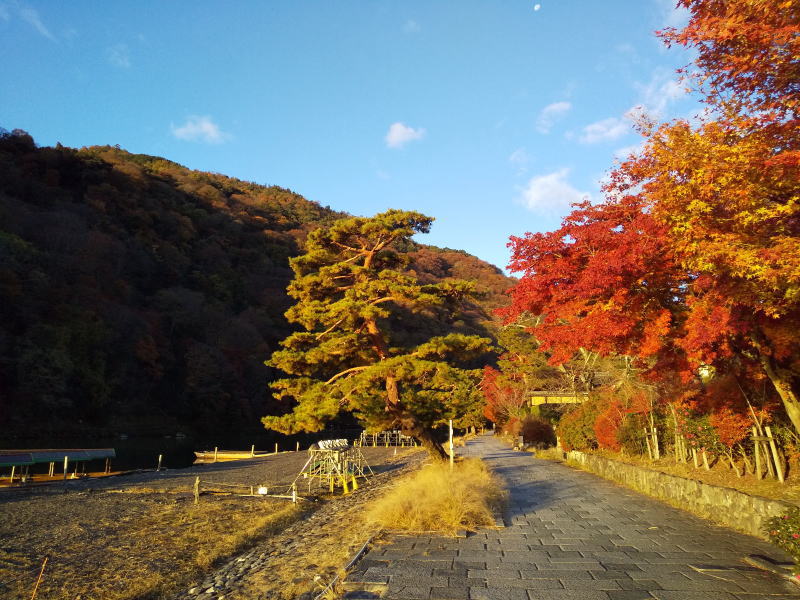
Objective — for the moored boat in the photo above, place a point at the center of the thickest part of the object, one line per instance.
(205, 456)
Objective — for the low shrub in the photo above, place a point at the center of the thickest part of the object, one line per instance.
(784, 532)
(537, 432)
(441, 499)
(630, 434)
(607, 424)
(576, 428)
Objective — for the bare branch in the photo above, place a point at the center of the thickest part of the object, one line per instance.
(345, 372)
(331, 328)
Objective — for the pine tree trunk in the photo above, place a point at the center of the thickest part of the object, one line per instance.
(409, 424)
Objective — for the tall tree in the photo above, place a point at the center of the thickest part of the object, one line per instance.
(694, 257)
(728, 195)
(605, 281)
(366, 345)
(747, 52)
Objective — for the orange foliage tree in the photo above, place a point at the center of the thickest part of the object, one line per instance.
(694, 257)
(504, 400)
(607, 425)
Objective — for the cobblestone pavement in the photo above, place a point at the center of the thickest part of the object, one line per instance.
(572, 535)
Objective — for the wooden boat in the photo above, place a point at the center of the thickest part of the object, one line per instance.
(210, 456)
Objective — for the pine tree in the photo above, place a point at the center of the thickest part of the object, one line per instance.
(369, 344)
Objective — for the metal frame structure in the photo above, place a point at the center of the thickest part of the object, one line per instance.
(334, 463)
(386, 438)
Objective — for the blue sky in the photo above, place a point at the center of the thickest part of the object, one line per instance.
(491, 116)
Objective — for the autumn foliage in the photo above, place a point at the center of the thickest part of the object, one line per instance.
(691, 264)
(607, 425)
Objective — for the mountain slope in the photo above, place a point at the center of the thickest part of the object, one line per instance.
(137, 293)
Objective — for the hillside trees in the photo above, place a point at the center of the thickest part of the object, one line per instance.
(137, 295)
(369, 343)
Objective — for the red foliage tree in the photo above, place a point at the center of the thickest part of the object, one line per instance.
(606, 280)
(503, 401)
(745, 50)
(694, 257)
(607, 425)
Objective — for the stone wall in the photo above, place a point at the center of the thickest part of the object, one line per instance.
(725, 506)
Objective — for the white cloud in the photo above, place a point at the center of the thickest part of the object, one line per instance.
(400, 134)
(119, 56)
(30, 16)
(672, 15)
(199, 129)
(604, 131)
(519, 157)
(551, 194)
(550, 114)
(411, 26)
(662, 90)
(625, 152)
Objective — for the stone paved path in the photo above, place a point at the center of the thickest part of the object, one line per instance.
(572, 535)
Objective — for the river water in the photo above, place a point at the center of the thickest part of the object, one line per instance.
(138, 452)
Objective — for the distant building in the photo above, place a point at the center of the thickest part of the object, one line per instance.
(549, 397)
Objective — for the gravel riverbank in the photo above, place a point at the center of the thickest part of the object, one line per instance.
(125, 537)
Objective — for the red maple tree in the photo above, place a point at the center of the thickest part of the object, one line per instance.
(693, 260)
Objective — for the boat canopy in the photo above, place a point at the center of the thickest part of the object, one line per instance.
(9, 458)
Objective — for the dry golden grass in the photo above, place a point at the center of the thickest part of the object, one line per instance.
(551, 453)
(437, 498)
(147, 553)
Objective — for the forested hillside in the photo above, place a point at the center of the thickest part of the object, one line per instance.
(138, 295)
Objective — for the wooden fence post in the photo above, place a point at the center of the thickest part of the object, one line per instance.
(196, 490)
(778, 466)
(656, 451)
(756, 445)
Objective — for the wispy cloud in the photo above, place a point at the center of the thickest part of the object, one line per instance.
(519, 157)
(662, 90)
(626, 151)
(605, 130)
(200, 129)
(31, 16)
(400, 134)
(119, 56)
(672, 15)
(550, 114)
(411, 26)
(551, 194)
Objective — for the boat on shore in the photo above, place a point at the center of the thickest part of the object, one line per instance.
(211, 456)
(68, 459)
